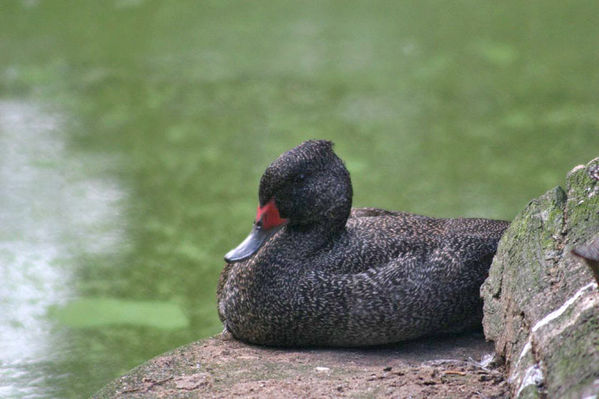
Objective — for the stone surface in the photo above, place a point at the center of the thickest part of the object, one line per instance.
(440, 367)
(541, 303)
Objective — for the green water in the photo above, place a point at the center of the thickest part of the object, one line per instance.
(133, 134)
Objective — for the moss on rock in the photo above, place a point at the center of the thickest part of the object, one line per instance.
(540, 303)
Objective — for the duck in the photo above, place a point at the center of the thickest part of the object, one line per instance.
(315, 272)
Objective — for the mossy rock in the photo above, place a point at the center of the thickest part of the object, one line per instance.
(541, 304)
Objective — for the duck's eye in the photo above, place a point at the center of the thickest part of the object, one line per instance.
(300, 177)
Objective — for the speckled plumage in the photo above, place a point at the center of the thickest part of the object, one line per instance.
(336, 276)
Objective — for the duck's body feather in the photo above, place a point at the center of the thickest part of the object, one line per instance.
(382, 277)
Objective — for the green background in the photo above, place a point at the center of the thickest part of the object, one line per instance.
(133, 135)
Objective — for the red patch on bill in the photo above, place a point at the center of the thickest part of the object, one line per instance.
(269, 215)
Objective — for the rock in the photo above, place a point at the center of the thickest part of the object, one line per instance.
(438, 367)
(541, 303)
(590, 254)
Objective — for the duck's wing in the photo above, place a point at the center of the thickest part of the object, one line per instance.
(407, 297)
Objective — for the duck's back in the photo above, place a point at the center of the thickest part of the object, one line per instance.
(486, 227)
(402, 234)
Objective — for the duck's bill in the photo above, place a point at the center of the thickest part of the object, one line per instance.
(252, 243)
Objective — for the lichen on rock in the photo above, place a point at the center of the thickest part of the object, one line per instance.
(540, 301)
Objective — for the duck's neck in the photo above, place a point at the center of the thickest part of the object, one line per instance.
(315, 235)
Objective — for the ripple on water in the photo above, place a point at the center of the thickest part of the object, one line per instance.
(52, 208)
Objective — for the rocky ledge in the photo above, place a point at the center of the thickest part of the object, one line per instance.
(220, 367)
(541, 303)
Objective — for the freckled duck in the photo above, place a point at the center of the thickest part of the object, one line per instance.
(315, 272)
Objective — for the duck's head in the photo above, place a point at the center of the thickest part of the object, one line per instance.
(306, 187)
